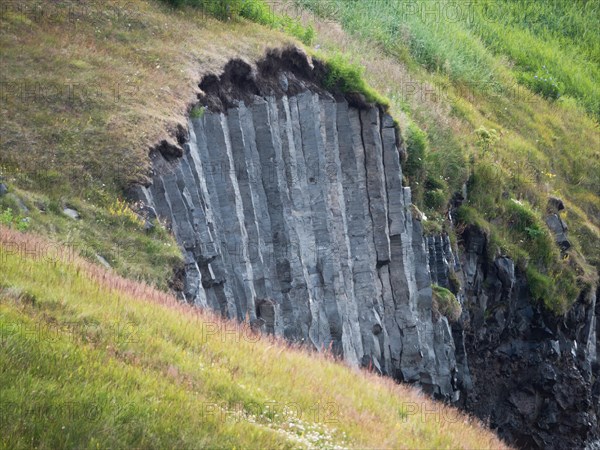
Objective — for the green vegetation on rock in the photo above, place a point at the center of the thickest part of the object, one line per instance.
(446, 303)
(346, 76)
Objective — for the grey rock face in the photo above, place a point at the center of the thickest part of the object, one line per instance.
(3, 189)
(288, 204)
(103, 261)
(441, 260)
(291, 212)
(559, 229)
(534, 375)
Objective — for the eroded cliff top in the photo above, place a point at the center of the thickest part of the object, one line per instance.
(282, 71)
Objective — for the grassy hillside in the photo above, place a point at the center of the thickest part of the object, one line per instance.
(91, 360)
(504, 99)
(86, 90)
(502, 96)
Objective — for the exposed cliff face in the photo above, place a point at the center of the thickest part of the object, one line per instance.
(535, 375)
(292, 213)
(531, 375)
(289, 205)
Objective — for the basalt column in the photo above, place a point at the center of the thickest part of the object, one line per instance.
(291, 213)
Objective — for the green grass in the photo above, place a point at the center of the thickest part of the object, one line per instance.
(114, 233)
(557, 39)
(91, 360)
(255, 10)
(559, 36)
(342, 74)
(346, 76)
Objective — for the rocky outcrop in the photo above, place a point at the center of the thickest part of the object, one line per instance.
(288, 203)
(290, 208)
(534, 374)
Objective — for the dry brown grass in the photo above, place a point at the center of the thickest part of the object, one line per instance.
(139, 63)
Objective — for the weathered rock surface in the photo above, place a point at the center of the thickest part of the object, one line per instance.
(559, 229)
(534, 375)
(291, 212)
(71, 213)
(289, 206)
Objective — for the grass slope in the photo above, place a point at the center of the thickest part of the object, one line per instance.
(86, 90)
(89, 90)
(91, 360)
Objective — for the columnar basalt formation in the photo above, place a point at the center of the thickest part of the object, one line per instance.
(292, 214)
(288, 203)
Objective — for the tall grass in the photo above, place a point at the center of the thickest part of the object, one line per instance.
(557, 39)
(461, 39)
(255, 10)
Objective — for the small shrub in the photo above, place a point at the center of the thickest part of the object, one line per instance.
(23, 224)
(534, 232)
(436, 193)
(6, 217)
(197, 112)
(436, 199)
(446, 303)
(122, 213)
(486, 139)
(9, 218)
(543, 83)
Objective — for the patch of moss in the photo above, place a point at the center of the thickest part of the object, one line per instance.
(446, 303)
